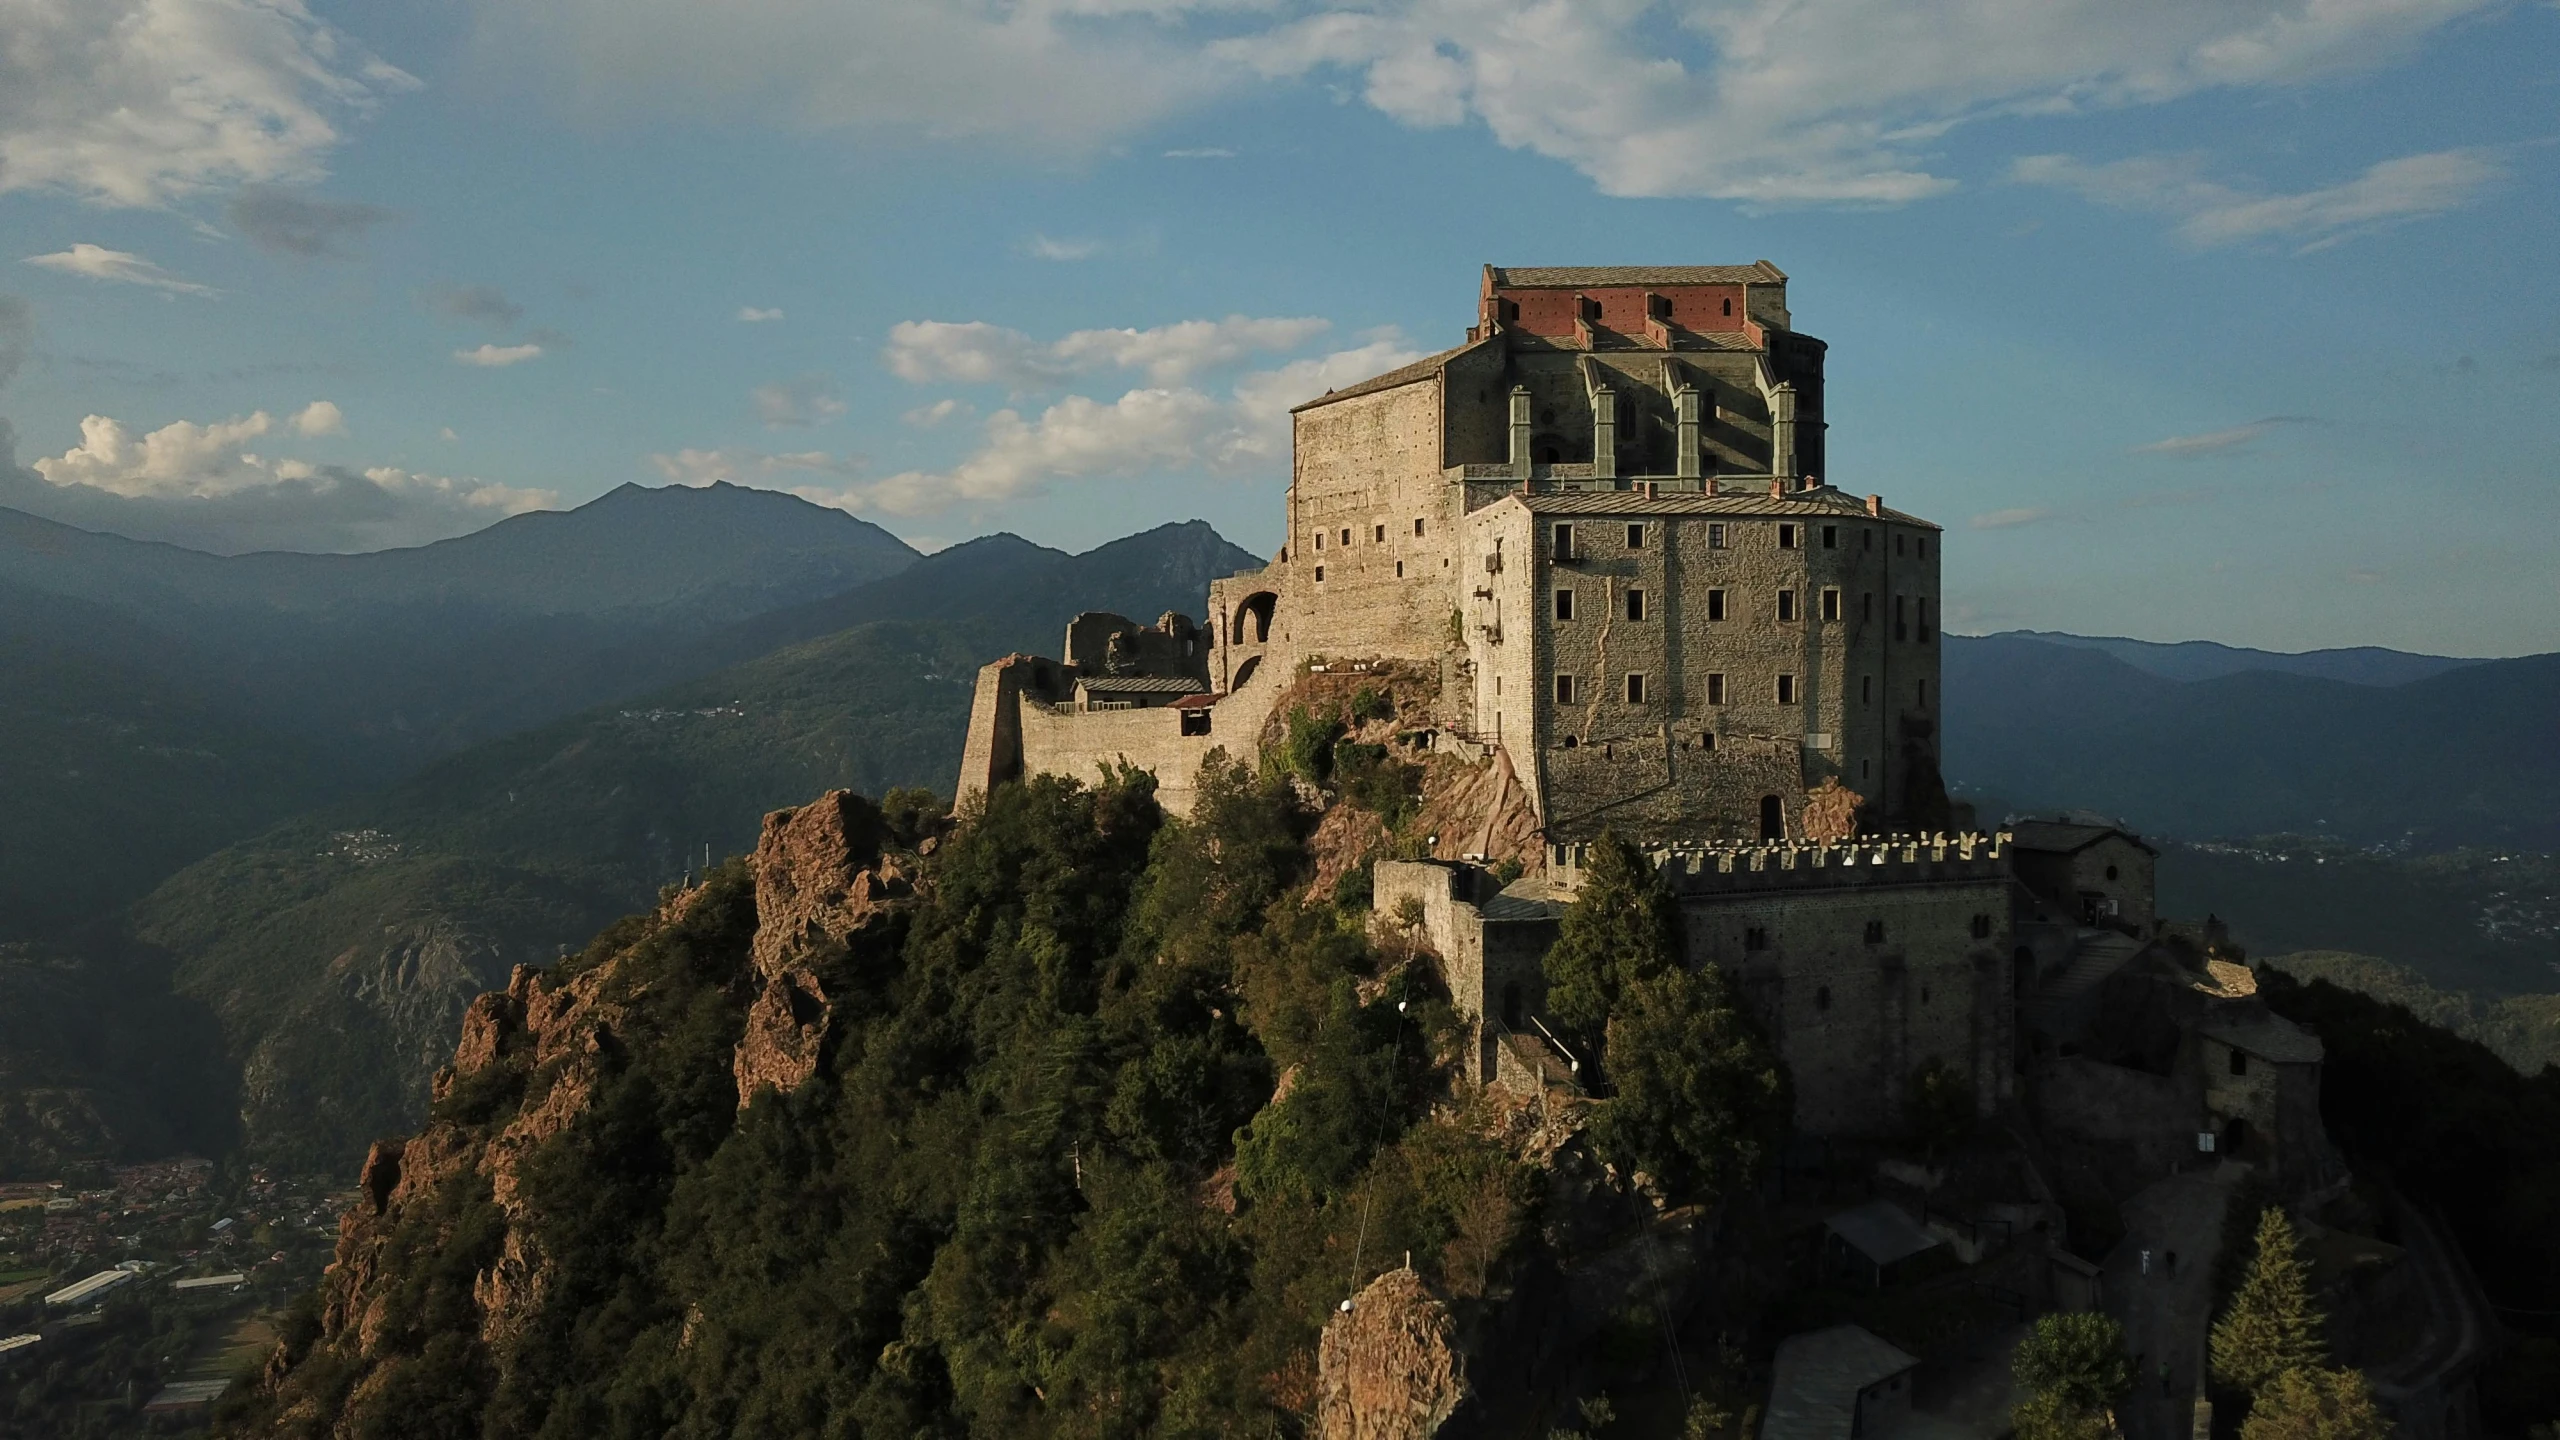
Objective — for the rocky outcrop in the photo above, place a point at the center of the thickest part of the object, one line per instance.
(820, 881)
(532, 1058)
(1389, 1367)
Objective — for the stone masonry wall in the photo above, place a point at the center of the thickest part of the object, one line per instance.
(1367, 472)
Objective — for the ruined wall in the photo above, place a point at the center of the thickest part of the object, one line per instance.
(1493, 969)
(1082, 744)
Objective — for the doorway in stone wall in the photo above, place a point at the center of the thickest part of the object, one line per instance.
(1773, 818)
(1511, 1005)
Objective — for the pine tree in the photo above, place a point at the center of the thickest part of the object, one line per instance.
(2314, 1404)
(1620, 928)
(2271, 1328)
(2076, 1357)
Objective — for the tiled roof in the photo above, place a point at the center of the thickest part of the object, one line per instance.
(1815, 1380)
(1141, 684)
(1744, 502)
(2272, 1038)
(1583, 277)
(2063, 837)
(1882, 1232)
(1422, 369)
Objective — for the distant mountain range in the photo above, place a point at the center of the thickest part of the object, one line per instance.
(311, 804)
(2463, 756)
(2208, 660)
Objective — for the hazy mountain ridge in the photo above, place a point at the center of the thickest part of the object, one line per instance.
(2208, 659)
(2456, 758)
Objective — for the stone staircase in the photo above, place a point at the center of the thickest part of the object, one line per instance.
(2095, 955)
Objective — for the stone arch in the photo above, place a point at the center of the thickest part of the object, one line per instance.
(1257, 608)
(1244, 672)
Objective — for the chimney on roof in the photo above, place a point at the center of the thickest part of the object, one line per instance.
(1875, 505)
(1684, 403)
(1520, 431)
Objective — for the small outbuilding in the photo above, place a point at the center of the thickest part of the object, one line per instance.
(1873, 1245)
(1844, 1383)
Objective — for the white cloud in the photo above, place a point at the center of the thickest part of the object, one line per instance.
(2007, 519)
(1201, 152)
(749, 314)
(447, 434)
(1777, 102)
(495, 356)
(925, 417)
(120, 266)
(1042, 247)
(1058, 76)
(1152, 429)
(186, 460)
(975, 352)
(808, 400)
(2214, 441)
(141, 102)
(2213, 213)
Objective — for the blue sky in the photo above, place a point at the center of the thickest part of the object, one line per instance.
(2230, 320)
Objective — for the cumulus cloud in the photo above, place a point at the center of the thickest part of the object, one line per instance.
(2008, 519)
(1064, 75)
(203, 486)
(143, 102)
(808, 400)
(2211, 212)
(484, 303)
(2213, 442)
(320, 417)
(1775, 102)
(753, 316)
(1042, 247)
(302, 227)
(1150, 429)
(975, 352)
(122, 267)
(498, 356)
(925, 417)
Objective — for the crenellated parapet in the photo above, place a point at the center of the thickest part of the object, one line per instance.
(1713, 867)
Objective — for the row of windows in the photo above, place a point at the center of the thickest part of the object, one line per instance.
(1571, 691)
(1377, 533)
(1720, 535)
(1786, 608)
(1756, 937)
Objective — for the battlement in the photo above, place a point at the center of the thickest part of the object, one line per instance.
(1733, 868)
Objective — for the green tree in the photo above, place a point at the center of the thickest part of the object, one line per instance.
(2272, 1327)
(2050, 1417)
(1620, 927)
(2075, 1358)
(1940, 1109)
(2316, 1404)
(1698, 1100)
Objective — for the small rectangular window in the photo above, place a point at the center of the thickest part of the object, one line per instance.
(1564, 542)
(1195, 721)
(1715, 537)
(1715, 688)
(1897, 544)
(1866, 689)
(1867, 606)
(1830, 537)
(1635, 689)
(1922, 549)
(2239, 1062)
(1346, 534)
(1635, 537)
(1900, 631)
(1786, 604)
(1786, 689)
(1564, 689)
(1380, 533)
(1417, 525)
(1564, 604)
(1319, 574)
(1319, 539)
(1924, 694)
(1787, 537)
(1867, 539)
(1830, 604)
(1635, 604)
(1399, 569)
(1715, 604)
(1922, 607)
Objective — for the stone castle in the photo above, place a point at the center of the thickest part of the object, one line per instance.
(1601, 523)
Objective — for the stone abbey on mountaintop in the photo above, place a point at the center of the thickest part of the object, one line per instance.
(1599, 535)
